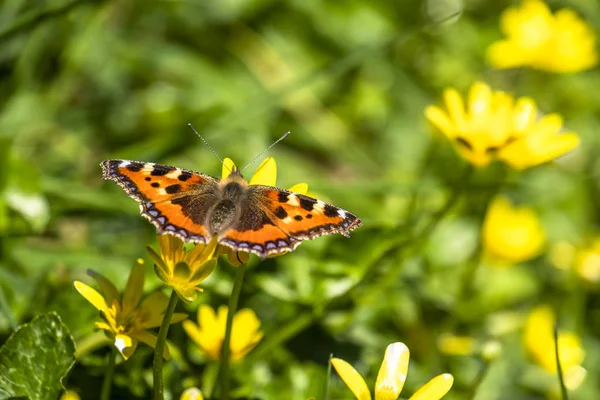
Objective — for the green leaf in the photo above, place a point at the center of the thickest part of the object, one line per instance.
(35, 359)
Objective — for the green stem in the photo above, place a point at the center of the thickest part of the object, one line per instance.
(561, 381)
(108, 376)
(327, 378)
(226, 349)
(158, 392)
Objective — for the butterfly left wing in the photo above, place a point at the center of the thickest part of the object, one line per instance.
(275, 221)
(173, 199)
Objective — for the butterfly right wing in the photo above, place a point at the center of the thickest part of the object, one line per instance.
(275, 221)
(175, 200)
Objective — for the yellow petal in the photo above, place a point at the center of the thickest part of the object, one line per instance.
(504, 54)
(200, 253)
(237, 258)
(103, 326)
(266, 173)
(134, 287)
(392, 373)
(228, 166)
(152, 309)
(435, 389)
(457, 345)
(207, 317)
(70, 395)
(178, 317)
(352, 379)
(512, 234)
(126, 345)
(203, 272)
(91, 295)
(109, 291)
(570, 350)
(455, 106)
(538, 336)
(440, 120)
(209, 342)
(524, 114)
(187, 293)
(574, 377)
(192, 393)
(245, 333)
(480, 97)
(300, 188)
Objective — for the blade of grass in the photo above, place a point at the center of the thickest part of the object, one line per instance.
(561, 381)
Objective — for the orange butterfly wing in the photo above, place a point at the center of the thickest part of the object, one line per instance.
(173, 199)
(276, 220)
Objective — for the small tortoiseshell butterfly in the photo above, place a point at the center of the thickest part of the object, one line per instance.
(263, 220)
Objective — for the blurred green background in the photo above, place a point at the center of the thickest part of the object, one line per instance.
(83, 81)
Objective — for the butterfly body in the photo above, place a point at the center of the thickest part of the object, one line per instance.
(263, 220)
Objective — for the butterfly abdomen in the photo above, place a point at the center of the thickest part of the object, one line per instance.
(225, 212)
(221, 216)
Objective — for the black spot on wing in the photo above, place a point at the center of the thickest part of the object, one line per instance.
(155, 184)
(135, 166)
(172, 189)
(283, 197)
(330, 211)
(306, 202)
(298, 217)
(281, 213)
(161, 170)
(184, 176)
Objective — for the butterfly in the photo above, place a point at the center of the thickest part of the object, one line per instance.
(263, 220)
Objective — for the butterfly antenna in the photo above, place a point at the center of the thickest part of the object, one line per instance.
(207, 145)
(265, 150)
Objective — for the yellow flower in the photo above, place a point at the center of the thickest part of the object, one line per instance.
(536, 38)
(391, 377)
(125, 320)
(494, 126)
(265, 174)
(70, 395)
(584, 260)
(512, 234)
(210, 333)
(192, 393)
(183, 269)
(539, 342)
(455, 345)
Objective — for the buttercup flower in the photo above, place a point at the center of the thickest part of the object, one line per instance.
(495, 127)
(70, 395)
(125, 320)
(209, 335)
(511, 234)
(391, 377)
(584, 260)
(183, 269)
(265, 174)
(192, 393)
(539, 342)
(536, 38)
(455, 345)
